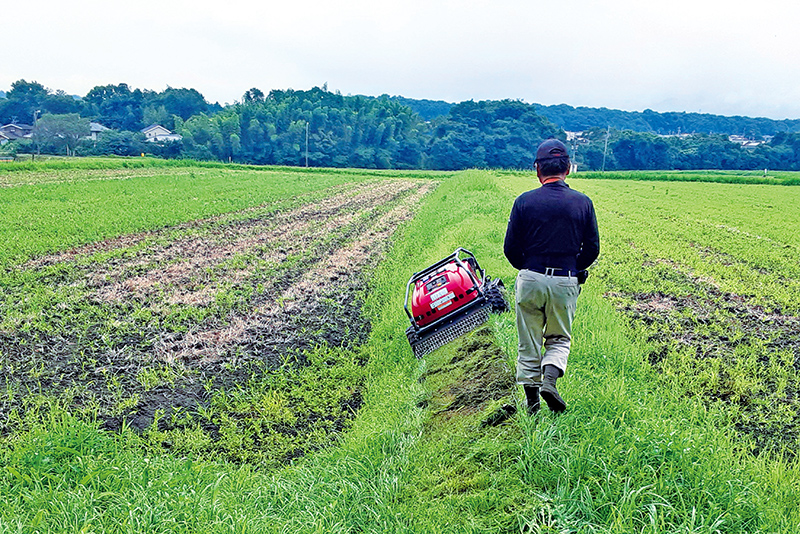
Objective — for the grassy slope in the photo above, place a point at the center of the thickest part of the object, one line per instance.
(629, 456)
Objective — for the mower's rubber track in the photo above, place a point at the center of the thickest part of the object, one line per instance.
(495, 296)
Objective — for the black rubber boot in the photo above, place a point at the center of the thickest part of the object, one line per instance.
(532, 399)
(549, 391)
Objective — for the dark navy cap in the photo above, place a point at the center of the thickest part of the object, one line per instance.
(551, 148)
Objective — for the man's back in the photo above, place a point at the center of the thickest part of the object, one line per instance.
(552, 226)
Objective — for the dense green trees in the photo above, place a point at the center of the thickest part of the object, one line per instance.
(427, 109)
(358, 131)
(578, 119)
(61, 132)
(323, 128)
(352, 131)
(120, 108)
(494, 134)
(114, 106)
(26, 101)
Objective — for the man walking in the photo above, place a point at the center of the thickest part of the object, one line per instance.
(551, 238)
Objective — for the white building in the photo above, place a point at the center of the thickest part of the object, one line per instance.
(156, 132)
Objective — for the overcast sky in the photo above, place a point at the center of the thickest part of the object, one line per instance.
(729, 58)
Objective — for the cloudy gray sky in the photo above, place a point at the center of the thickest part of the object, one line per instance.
(730, 58)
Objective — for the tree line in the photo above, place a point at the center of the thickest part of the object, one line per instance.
(318, 127)
(579, 119)
(629, 150)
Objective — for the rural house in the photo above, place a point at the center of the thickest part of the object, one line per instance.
(744, 142)
(16, 131)
(156, 132)
(95, 129)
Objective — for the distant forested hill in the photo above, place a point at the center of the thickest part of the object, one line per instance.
(582, 118)
(427, 109)
(579, 119)
(490, 133)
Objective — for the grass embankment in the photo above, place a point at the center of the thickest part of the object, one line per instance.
(634, 453)
(716, 176)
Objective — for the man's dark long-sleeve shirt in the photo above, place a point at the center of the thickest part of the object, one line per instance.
(552, 226)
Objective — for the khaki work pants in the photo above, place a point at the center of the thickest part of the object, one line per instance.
(545, 308)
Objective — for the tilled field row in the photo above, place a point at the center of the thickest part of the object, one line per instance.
(272, 319)
(180, 272)
(91, 175)
(158, 322)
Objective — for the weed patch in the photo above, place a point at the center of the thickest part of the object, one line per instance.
(724, 348)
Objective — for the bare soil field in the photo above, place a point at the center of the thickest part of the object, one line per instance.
(162, 331)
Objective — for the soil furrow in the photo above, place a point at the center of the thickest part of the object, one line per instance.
(109, 353)
(176, 234)
(271, 320)
(270, 240)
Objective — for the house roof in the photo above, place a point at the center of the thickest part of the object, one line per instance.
(97, 127)
(153, 127)
(15, 126)
(15, 131)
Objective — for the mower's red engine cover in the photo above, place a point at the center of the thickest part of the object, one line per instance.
(441, 293)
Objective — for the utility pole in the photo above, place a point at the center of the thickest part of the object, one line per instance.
(605, 150)
(574, 158)
(35, 121)
(306, 143)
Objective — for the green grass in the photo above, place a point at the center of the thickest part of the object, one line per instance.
(726, 177)
(61, 204)
(638, 451)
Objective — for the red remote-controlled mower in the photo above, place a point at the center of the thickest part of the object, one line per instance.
(448, 299)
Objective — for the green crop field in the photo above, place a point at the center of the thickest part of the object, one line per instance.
(195, 347)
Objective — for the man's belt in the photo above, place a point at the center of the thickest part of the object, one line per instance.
(552, 271)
